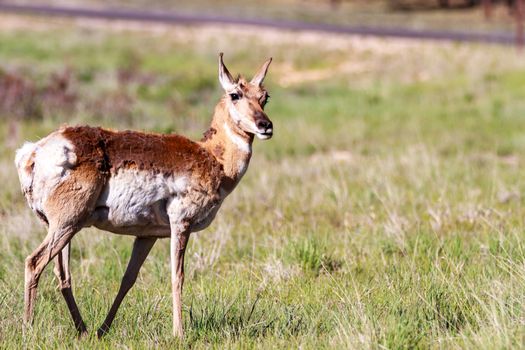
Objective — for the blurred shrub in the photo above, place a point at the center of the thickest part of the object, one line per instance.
(21, 98)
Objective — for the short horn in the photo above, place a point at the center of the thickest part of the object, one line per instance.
(261, 74)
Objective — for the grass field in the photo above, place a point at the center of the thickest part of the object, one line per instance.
(386, 212)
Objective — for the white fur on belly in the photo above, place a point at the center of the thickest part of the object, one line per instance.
(131, 195)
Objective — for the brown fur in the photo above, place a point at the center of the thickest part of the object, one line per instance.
(74, 199)
(108, 151)
(223, 150)
(208, 134)
(218, 152)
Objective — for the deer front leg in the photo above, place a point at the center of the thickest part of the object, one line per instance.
(179, 239)
(64, 282)
(141, 249)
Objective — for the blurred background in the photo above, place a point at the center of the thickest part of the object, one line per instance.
(392, 208)
(467, 15)
(23, 96)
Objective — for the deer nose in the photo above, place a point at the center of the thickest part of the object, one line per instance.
(264, 125)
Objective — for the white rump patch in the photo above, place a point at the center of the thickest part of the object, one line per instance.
(54, 156)
(241, 143)
(51, 159)
(22, 159)
(23, 153)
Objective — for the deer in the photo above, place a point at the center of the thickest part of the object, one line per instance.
(136, 183)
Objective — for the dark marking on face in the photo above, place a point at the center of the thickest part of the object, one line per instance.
(263, 100)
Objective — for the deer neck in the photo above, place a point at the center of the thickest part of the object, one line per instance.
(229, 144)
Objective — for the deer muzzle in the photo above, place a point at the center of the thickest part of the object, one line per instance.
(263, 125)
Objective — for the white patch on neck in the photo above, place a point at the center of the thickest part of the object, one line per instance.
(241, 143)
(242, 166)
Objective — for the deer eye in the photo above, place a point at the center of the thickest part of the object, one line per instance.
(235, 96)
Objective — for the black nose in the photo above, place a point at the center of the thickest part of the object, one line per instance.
(264, 125)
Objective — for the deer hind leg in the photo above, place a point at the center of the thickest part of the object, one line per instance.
(64, 282)
(66, 209)
(55, 241)
(141, 249)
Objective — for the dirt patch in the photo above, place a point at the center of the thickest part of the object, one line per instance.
(290, 75)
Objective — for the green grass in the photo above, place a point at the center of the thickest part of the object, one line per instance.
(387, 211)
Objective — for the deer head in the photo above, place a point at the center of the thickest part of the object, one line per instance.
(245, 101)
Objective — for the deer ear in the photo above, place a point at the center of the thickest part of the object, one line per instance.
(225, 77)
(259, 77)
